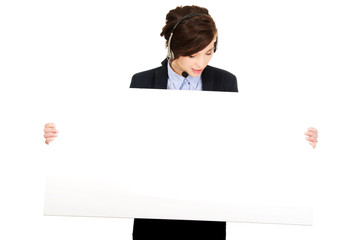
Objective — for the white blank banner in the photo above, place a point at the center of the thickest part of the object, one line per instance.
(181, 155)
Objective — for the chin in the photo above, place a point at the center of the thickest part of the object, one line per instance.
(195, 75)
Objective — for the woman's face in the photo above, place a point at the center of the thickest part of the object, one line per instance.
(194, 64)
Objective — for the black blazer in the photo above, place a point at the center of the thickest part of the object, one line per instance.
(213, 79)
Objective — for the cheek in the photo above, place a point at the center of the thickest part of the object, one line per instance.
(187, 62)
(206, 60)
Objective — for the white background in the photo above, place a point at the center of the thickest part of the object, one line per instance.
(303, 54)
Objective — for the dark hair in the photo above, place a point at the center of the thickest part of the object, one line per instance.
(192, 34)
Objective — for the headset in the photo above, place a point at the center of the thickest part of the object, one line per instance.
(170, 54)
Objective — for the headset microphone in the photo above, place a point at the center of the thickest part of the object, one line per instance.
(184, 74)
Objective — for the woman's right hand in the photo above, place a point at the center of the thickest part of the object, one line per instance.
(50, 132)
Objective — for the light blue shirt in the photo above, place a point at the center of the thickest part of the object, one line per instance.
(178, 82)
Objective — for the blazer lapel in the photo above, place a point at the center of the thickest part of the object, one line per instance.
(208, 79)
(161, 76)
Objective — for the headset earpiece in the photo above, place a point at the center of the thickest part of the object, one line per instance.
(215, 44)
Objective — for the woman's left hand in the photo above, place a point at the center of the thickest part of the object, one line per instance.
(312, 135)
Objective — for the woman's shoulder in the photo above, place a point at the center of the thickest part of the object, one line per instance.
(152, 78)
(146, 73)
(220, 79)
(144, 79)
(219, 72)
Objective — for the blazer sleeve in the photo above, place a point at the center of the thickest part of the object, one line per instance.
(140, 80)
(144, 79)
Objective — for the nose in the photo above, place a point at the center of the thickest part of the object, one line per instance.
(201, 62)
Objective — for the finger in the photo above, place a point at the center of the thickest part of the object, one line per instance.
(47, 135)
(312, 139)
(48, 125)
(308, 133)
(48, 140)
(312, 136)
(53, 130)
(312, 129)
(312, 144)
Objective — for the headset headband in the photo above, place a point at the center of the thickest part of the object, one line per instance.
(170, 53)
(186, 17)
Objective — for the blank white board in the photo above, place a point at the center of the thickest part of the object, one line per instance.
(181, 155)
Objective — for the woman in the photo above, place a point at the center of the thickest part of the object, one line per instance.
(191, 38)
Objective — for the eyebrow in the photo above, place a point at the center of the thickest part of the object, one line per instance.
(206, 51)
(210, 49)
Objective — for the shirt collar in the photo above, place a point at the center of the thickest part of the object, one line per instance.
(175, 80)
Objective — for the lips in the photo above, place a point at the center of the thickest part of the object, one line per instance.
(196, 71)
